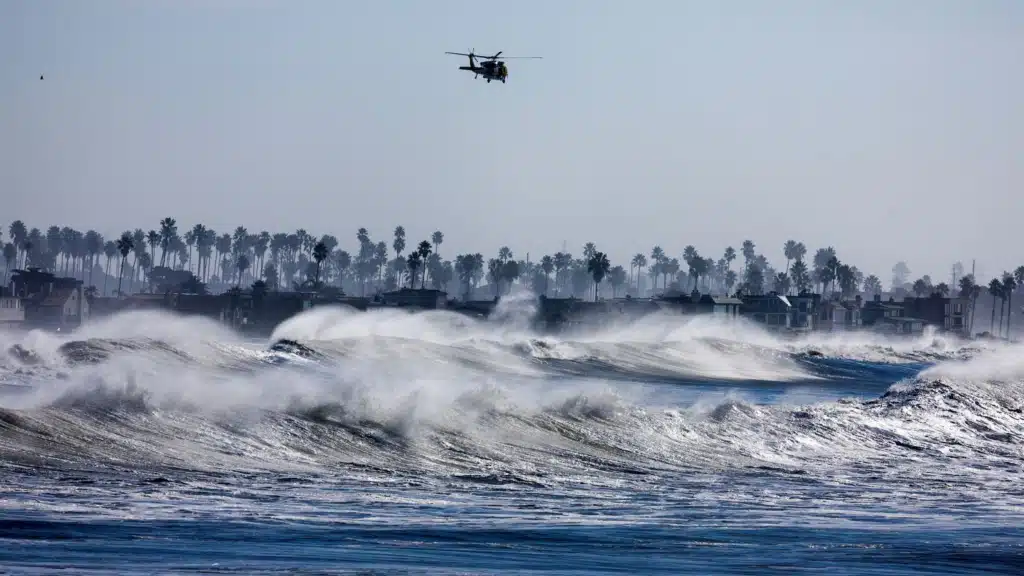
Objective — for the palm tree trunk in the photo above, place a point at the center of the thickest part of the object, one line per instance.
(135, 271)
(1002, 308)
(1009, 312)
(992, 323)
(120, 276)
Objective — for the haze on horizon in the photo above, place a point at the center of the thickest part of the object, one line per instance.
(889, 130)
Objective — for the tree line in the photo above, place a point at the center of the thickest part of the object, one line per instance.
(301, 260)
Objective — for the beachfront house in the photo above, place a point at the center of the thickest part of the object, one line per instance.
(804, 310)
(773, 311)
(947, 314)
(889, 317)
(48, 301)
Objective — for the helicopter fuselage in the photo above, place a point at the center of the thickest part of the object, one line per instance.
(490, 67)
(490, 72)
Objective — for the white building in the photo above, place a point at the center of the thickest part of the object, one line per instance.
(11, 311)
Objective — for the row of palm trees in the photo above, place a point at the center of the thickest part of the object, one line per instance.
(303, 260)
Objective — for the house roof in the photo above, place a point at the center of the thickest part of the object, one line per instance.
(724, 300)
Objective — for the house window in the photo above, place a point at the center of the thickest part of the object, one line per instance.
(958, 308)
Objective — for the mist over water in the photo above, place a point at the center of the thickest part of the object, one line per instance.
(418, 441)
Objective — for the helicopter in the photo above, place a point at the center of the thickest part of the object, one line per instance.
(490, 67)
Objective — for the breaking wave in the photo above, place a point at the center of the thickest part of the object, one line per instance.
(443, 395)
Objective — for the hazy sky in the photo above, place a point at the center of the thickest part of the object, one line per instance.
(886, 129)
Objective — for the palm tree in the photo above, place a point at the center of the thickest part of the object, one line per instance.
(124, 247)
(342, 261)
(995, 288)
(320, 253)
(10, 257)
(146, 265)
(262, 243)
(424, 250)
(494, 274)
(640, 261)
(399, 242)
(168, 230)
(510, 270)
(782, 283)
(504, 254)
(547, 265)
(241, 264)
(616, 277)
(93, 247)
(138, 247)
(153, 239)
(223, 246)
(19, 235)
(413, 262)
(110, 251)
(670, 269)
(59, 241)
(562, 263)
(54, 243)
(967, 287)
(1009, 285)
(589, 249)
(831, 270)
(872, 285)
(729, 255)
(598, 266)
(748, 250)
(436, 239)
(730, 280)
(792, 252)
(380, 259)
(657, 260)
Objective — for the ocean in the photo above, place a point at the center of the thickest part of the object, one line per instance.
(431, 443)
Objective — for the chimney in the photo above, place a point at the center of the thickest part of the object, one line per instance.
(878, 297)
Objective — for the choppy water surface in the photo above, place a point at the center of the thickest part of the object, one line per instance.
(429, 443)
